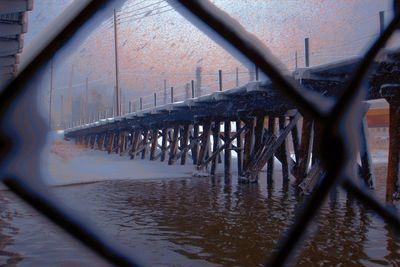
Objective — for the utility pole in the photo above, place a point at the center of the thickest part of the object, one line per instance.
(237, 77)
(295, 60)
(165, 92)
(381, 22)
(116, 64)
(87, 98)
(70, 100)
(51, 90)
(307, 51)
(62, 113)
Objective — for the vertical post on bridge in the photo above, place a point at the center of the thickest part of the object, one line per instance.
(172, 94)
(155, 99)
(117, 107)
(220, 80)
(192, 83)
(141, 103)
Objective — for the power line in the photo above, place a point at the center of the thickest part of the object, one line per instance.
(146, 15)
(122, 13)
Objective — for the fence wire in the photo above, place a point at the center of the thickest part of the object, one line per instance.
(330, 115)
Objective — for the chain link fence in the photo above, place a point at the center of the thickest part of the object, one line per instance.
(332, 116)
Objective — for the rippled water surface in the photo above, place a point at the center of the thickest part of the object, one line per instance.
(196, 222)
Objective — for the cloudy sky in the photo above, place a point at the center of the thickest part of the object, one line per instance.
(156, 42)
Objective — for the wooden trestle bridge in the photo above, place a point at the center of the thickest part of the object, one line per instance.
(182, 131)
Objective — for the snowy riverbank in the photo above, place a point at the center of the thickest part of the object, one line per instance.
(67, 164)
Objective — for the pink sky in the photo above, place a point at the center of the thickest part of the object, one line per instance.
(167, 46)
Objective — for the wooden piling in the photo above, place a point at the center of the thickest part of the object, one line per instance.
(227, 152)
(154, 139)
(239, 149)
(259, 131)
(270, 166)
(316, 144)
(135, 143)
(195, 148)
(110, 143)
(164, 139)
(248, 143)
(365, 156)
(184, 143)
(174, 145)
(296, 143)
(284, 151)
(215, 131)
(304, 150)
(205, 138)
(145, 142)
(121, 137)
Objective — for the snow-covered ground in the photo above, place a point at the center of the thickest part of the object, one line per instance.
(65, 163)
(69, 164)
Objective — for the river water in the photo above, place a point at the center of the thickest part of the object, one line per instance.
(197, 222)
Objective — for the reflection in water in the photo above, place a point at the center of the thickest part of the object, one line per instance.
(208, 222)
(7, 231)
